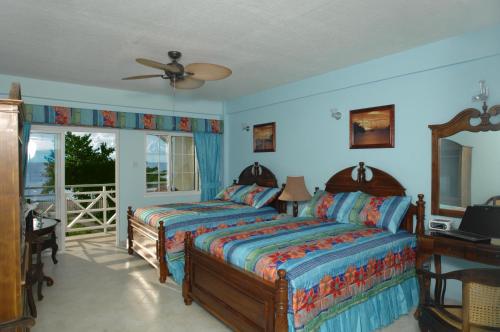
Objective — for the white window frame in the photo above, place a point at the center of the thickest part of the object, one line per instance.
(169, 192)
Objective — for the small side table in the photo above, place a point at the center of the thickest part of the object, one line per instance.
(42, 236)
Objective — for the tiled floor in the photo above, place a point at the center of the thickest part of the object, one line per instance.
(101, 288)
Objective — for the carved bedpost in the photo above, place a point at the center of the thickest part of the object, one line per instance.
(420, 229)
(281, 303)
(160, 245)
(255, 168)
(186, 284)
(361, 172)
(130, 233)
(235, 182)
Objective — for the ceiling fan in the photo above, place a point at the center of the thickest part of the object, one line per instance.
(192, 76)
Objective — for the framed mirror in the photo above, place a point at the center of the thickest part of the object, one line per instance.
(466, 161)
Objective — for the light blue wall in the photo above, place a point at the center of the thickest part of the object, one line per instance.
(428, 85)
(131, 142)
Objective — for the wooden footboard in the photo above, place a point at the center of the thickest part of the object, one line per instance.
(240, 299)
(148, 242)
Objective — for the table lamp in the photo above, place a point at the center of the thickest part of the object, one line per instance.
(295, 191)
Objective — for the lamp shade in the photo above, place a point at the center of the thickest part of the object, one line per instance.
(295, 190)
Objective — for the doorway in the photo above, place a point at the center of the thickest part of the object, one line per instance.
(72, 176)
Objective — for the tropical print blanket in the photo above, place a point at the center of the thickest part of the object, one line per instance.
(330, 266)
(198, 218)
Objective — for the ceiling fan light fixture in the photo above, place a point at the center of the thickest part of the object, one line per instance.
(187, 83)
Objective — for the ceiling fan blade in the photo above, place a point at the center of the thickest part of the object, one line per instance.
(208, 71)
(140, 77)
(150, 63)
(155, 64)
(188, 83)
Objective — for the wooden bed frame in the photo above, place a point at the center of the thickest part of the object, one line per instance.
(246, 302)
(149, 242)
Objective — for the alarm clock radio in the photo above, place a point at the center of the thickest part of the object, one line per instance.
(440, 224)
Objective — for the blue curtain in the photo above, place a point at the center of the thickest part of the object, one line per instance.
(208, 152)
(24, 155)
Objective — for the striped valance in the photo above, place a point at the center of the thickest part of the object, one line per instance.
(66, 116)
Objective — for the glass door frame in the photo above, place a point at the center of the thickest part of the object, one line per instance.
(61, 131)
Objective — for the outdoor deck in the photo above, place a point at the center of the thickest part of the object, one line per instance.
(88, 208)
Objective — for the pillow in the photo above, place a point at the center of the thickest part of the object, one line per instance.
(227, 193)
(383, 212)
(239, 195)
(332, 206)
(260, 196)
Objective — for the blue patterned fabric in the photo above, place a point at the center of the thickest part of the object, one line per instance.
(226, 193)
(239, 195)
(67, 116)
(384, 212)
(263, 197)
(331, 206)
(382, 308)
(393, 210)
(334, 270)
(209, 153)
(198, 218)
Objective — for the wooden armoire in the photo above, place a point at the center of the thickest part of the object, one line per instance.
(11, 190)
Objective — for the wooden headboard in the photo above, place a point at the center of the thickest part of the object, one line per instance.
(262, 176)
(380, 184)
(258, 174)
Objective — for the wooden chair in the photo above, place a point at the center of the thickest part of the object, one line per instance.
(495, 200)
(480, 309)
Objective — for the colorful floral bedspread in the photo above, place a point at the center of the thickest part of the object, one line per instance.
(330, 266)
(198, 218)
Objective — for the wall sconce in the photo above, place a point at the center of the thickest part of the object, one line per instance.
(245, 127)
(483, 94)
(336, 114)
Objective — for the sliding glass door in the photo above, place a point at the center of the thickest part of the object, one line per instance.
(71, 176)
(44, 184)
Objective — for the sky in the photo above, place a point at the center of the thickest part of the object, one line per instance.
(40, 144)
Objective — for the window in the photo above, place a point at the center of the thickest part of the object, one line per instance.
(171, 163)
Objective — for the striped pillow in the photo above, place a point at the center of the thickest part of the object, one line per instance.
(383, 212)
(227, 193)
(330, 206)
(240, 194)
(260, 196)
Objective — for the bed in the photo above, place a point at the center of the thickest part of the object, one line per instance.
(223, 274)
(156, 233)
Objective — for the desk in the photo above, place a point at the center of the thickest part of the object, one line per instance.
(437, 246)
(42, 235)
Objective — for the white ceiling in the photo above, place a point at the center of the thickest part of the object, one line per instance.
(265, 42)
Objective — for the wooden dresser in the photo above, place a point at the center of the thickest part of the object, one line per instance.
(11, 237)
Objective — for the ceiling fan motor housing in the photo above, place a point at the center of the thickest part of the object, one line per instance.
(174, 55)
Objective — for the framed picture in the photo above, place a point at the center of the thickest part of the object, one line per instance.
(372, 127)
(264, 137)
